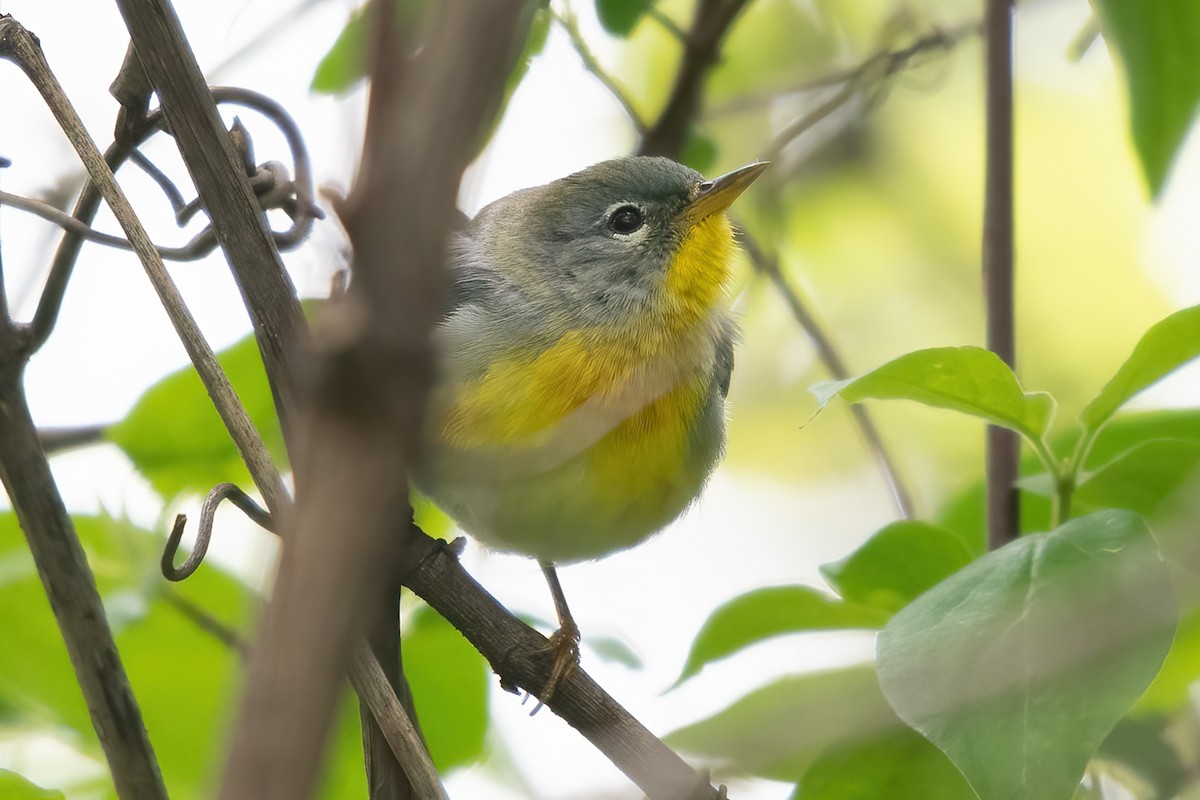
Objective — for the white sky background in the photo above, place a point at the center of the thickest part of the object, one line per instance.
(113, 341)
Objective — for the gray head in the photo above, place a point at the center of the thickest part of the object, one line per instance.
(603, 240)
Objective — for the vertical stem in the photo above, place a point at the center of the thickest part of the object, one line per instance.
(72, 592)
(1003, 446)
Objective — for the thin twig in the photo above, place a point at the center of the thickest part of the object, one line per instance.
(524, 659)
(206, 622)
(24, 50)
(880, 66)
(795, 129)
(570, 24)
(1003, 446)
(57, 439)
(219, 493)
(136, 132)
(402, 736)
(768, 265)
(69, 584)
(365, 395)
(666, 23)
(701, 52)
(218, 171)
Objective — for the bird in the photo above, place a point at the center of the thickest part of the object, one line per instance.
(583, 363)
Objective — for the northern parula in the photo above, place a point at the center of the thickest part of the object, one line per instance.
(584, 359)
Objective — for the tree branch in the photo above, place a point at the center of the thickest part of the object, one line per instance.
(701, 50)
(63, 568)
(363, 400)
(216, 169)
(1003, 446)
(768, 264)
(570, 24)
(523, 658)
(22, 48)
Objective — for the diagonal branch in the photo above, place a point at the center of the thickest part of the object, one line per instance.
(701, 50)
(215, 167)
(70, 586)
(768, 264)
(523, 658)
(364, 397)
(24, 50)
(570, 24)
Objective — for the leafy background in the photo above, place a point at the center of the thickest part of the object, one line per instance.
(751, 634)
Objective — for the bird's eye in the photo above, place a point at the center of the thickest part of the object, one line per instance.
(626, 220)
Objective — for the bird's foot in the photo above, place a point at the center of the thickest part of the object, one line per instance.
(564, 645)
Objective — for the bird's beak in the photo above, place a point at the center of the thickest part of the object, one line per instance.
(715, 196)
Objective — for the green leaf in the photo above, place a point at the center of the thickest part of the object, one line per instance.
(1172, 687)
(1158, 42)
(175, 438)
(899, 765)
(967, 379)
(765, 613)
(964, 513)
(181, 674)
(620, 17)
(779, 730)
(1020, 664)
(1141, 746)
(897, 564)
(1166, 346)
(535, 42)
(428, 517)
(346, 62)
(14, 787)
(1142, 479)
(699, 151)
(449, 681)
(615, 650)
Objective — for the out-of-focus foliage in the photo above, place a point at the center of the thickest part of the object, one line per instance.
(449, 682)
(1157, 41)
(14, 787)
(1024, 667)
(176, 438)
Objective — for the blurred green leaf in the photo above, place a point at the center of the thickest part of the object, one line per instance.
(346, 62)
(181, 674)
(967, 379)
(1166, 346)
(1019, 665)
(1141, 746)
(964, 513)
(1143, 478)
(428, 517)
(1172, 687)
(620, 17)
(765, 613)
(449, 681)
(897, 564)
(14, 787)
(175, 438)
(535, 42)
(779, 730)
(699, 151)
(1158, 42)
(615, 650)
(899, 765)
